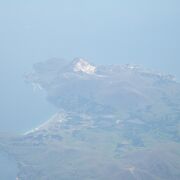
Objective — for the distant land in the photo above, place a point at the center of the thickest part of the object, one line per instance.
(113, 122)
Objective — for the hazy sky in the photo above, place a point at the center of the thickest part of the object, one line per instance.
(103, 31)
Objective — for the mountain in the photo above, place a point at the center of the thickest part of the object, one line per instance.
(114, 122)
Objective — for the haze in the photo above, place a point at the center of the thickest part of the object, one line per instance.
(104, 32)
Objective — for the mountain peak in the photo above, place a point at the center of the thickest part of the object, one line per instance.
(81, 65)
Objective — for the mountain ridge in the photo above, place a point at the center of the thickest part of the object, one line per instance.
(114, 122)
